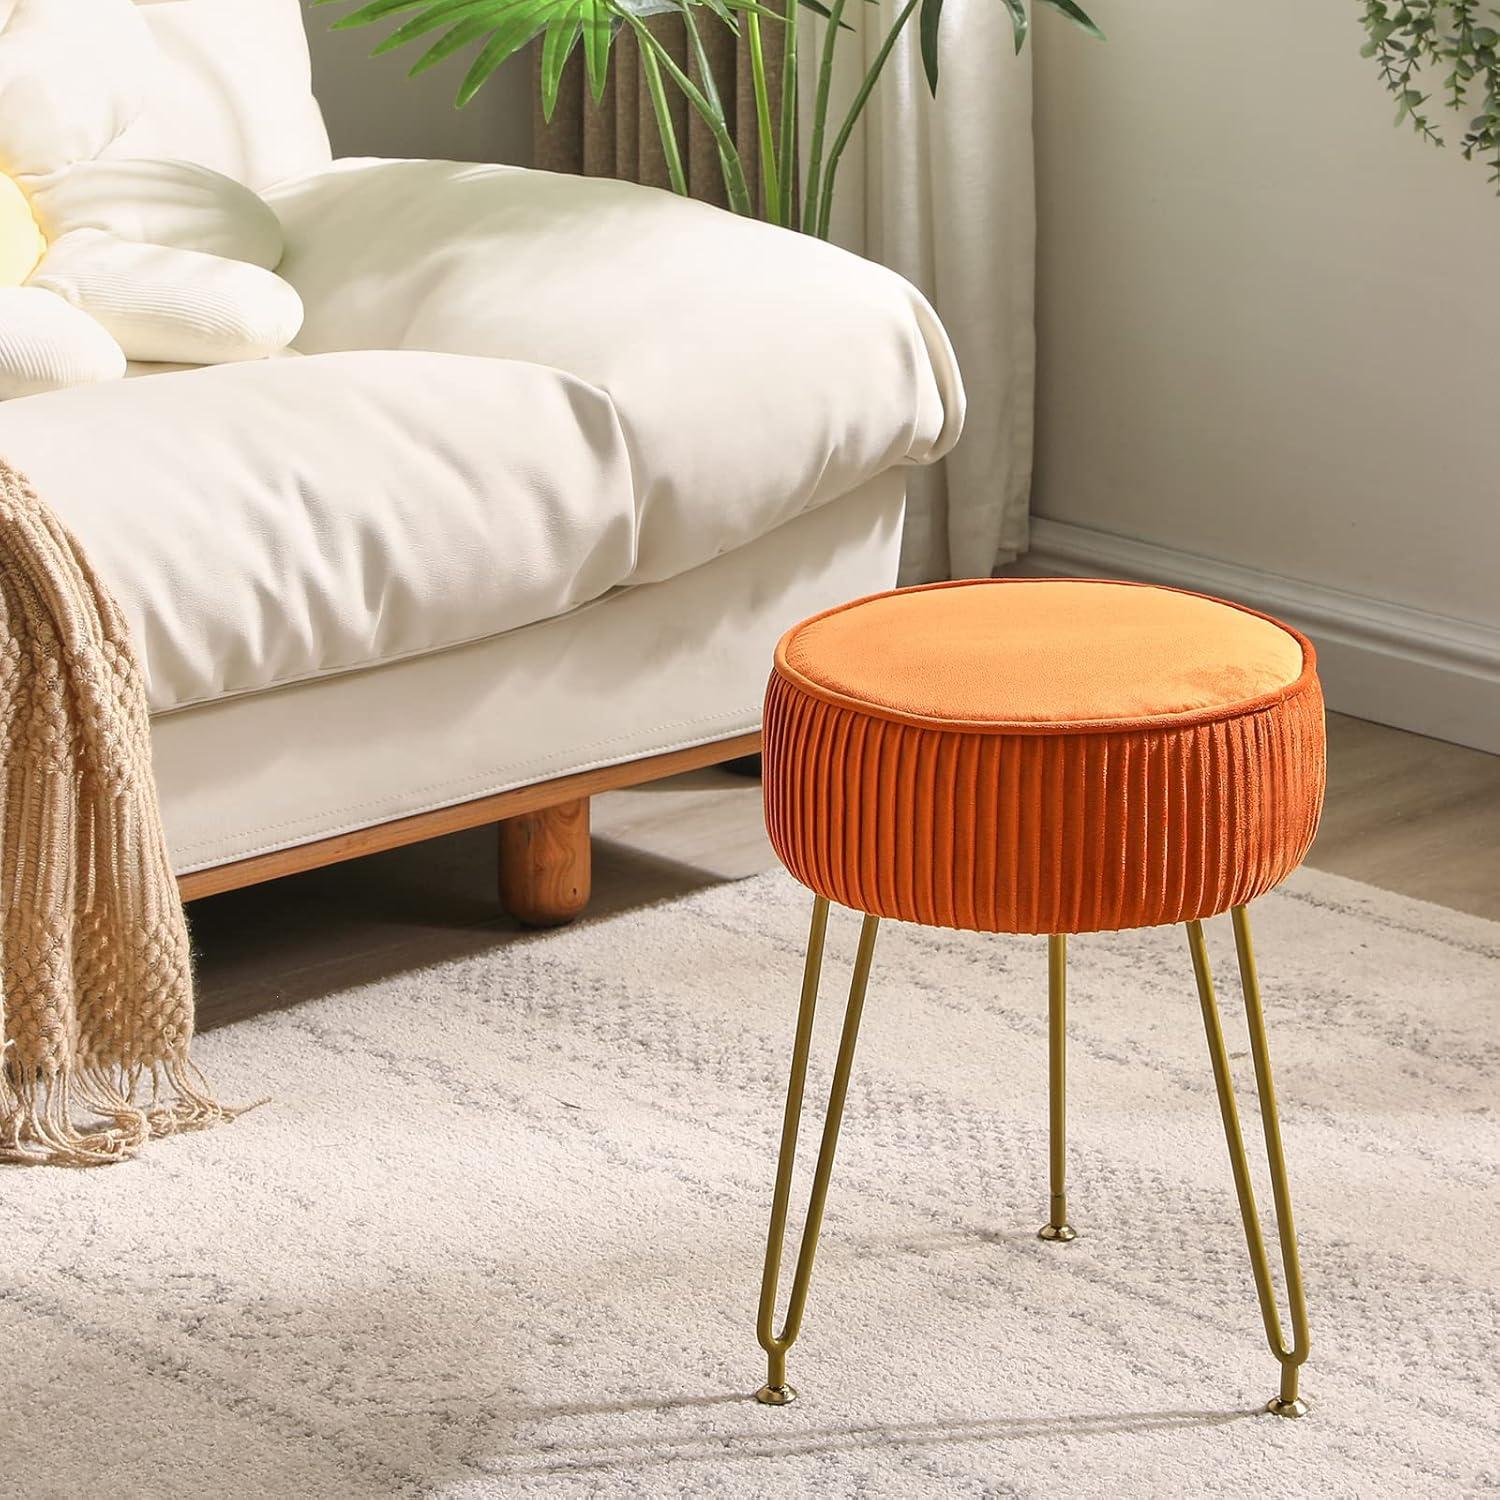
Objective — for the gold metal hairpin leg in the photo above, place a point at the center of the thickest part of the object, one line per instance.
(1287, 1403)
(1057, 1229)
(776, 1392)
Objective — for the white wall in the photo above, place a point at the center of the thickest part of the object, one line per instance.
(374, 109)
(1269, 332)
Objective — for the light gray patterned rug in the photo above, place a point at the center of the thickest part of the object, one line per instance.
(499, 1232)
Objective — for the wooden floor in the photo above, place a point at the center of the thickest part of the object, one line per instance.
(1409, 814)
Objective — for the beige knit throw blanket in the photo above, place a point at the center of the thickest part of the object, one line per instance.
(96, 1008)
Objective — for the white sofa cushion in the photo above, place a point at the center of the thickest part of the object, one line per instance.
(620, 678)
(266, 523)
(757, 373)
(230, 88)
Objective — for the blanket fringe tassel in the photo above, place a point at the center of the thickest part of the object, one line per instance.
(122, 1109)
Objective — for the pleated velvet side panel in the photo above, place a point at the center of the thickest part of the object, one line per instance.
(1041, 831)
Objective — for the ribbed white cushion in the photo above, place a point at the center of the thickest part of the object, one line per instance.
(162, 303)
(45, 344)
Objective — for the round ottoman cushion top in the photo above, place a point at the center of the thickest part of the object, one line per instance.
(1040, 755)
(1020, 652)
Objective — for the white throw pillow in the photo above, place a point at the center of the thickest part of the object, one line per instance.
(233, 91)
(107, 261)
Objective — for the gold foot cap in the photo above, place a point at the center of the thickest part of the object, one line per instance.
(776, 1395)
(1293, 1408)
(1057, 1233)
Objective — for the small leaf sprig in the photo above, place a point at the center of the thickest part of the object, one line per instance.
(1453, 44)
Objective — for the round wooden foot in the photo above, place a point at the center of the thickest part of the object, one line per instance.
(544, 864)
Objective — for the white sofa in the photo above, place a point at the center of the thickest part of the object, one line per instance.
(554, 464)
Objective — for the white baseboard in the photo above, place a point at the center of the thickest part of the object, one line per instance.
(1425, 672)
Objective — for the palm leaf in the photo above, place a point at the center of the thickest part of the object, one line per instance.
(928, 21)
(504, 27)
(598, 32)
(375, 10)
(818, 8)
(1020, 22)
(454, 38)
(1075, 14)
(435, 15)
(523, 21)
(562, 36)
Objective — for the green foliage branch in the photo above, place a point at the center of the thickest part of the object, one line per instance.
(1447, 45)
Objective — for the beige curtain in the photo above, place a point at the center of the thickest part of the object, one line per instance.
(943, 191)
(619, 138)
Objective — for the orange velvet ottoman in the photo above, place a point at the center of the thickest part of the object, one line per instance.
(1042, 756)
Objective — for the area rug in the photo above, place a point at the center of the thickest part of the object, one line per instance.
(499, 1231)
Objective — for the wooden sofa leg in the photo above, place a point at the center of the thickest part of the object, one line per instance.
(545, 864)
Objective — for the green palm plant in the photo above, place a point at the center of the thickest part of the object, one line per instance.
(498, 29)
